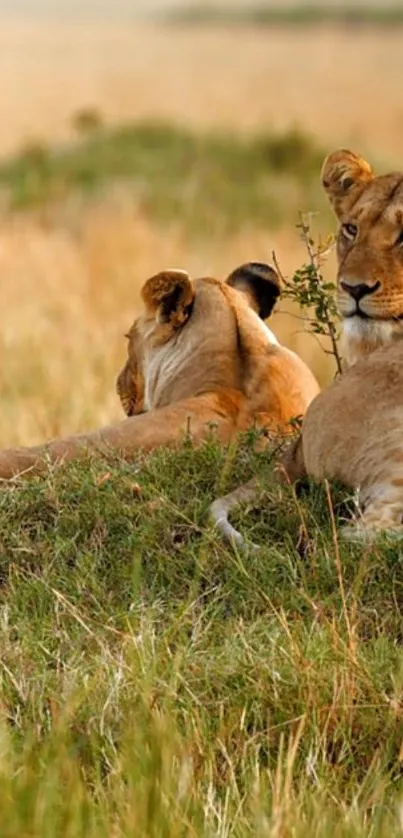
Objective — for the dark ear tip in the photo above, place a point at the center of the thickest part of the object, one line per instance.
(262, 283)
(252, 271)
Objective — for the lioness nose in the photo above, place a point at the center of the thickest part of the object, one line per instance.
(357, 292)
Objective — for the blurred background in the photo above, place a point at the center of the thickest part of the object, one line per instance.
(141, 134)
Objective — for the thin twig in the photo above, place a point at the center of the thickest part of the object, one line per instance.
(278, 269)
(315, 262)
(308, 289)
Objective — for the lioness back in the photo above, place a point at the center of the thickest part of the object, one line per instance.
(199, 355)
(215, 340)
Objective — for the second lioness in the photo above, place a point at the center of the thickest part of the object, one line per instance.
(199, 354)
(353, 431)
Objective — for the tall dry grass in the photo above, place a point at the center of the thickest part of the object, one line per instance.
(68, 295)
(339, 84)
(69, 290)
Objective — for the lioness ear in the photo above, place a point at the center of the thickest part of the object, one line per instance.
(169, 296)
(344, 178)
(130, 389)
(261, 284)
(130, 381)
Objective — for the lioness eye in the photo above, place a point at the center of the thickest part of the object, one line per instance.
(350, 230)
(400, 240)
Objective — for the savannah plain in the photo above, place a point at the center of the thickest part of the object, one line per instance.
(154, 683)
(70, 277)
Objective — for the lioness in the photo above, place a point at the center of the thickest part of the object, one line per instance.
(199, 354)
(353, 431)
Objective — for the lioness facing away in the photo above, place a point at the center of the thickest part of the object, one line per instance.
(353, 430)
(199, 354)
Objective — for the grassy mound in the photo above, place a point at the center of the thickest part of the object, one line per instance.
(155, 683)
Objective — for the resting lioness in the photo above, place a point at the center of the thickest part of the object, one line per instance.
(353, 430)
(200, 354)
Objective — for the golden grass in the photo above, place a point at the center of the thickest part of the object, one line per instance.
(343, 85)
(68, 295)
(69, 290)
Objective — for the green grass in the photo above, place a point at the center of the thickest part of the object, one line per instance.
(299, 15)
(154, 683)
(205, 180)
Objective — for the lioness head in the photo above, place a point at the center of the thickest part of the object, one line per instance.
(187, 338)
(369, 251)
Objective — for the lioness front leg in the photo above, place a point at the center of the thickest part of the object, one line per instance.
(289, 468)
(165, 426)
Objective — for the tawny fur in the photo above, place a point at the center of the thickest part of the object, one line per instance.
(353, 430)
(199, 355)
(372, 256)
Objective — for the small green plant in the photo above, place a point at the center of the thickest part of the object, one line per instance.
(309, 290)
